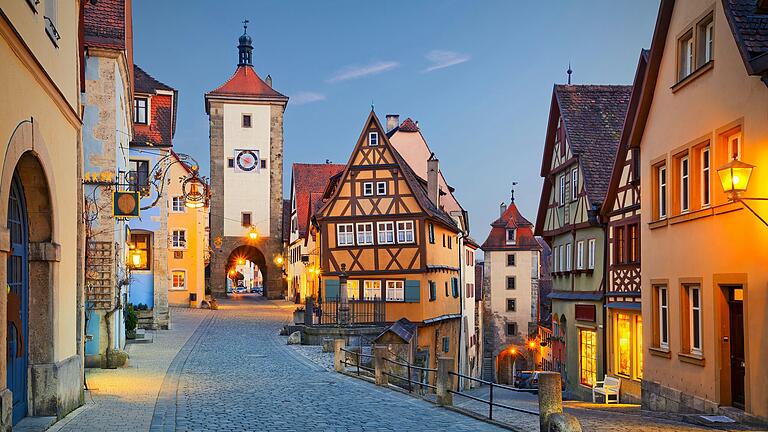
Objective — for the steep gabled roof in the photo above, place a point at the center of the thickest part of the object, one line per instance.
(309, 179)
(511, 219)
(749, 25)
(146, 83)
(104, 24)
(245, 84)
(593, 116)
(162, 112)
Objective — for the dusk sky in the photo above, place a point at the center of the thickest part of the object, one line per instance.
(477, 76)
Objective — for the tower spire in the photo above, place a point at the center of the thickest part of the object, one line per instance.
(512, 200)
(245, 47)
(569, 72)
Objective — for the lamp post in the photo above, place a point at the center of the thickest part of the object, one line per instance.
(343, 300)
(734, 178)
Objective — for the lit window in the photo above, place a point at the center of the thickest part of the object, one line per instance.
(140, 110)
(386, 232)
(580, 255)
(368, 189)
(371, 289)
(395, 290)
(353, 289)
(705, 176)
(694, 297)
(179, 239)
(177, 204)
(405, 232)
(591, 254)
(684, 183)
(142, 247)
(381, 188)
(587, 357)
(511, 236)
(574, 184)
(639, 350)
(373, 139)
(179, 279)
(345, 235)
(623, 344)
(365, 233)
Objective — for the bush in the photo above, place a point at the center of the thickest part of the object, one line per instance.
(131, 319)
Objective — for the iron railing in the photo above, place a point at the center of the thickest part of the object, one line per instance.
(328, 312)
(358, 355)
(408, 378)
(490, 401)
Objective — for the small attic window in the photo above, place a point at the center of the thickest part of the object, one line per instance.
(373, 139)
(511, 236)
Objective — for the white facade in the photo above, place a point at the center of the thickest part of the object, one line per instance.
(246, 192)
(524, 271)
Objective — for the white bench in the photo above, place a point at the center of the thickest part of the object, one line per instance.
(608, 387)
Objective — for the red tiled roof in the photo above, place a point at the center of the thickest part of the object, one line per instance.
(749, 25)
(511, 219)
(245, 82)
(162, 111)
(409, 126)
(146, 83)
(309, 181)
(104, 24)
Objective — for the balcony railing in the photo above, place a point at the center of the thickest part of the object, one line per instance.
(361, 312)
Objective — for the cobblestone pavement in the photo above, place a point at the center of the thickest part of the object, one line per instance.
(124, 399)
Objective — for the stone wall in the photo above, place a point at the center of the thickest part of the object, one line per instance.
(658, 397)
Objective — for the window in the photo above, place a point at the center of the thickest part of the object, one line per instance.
(663, 324)
(446, 288)
(373, 139)
(512, 329)
(591, 254)
(246, 120)
(511, 260)
(386, 232)
(365, 233)
(511, 282)
(395, 290)
(353, 289)
(634, 243)
(245, 219)
(580, 255)
(140, 110)
(684, 183)
(177, 204)
(618, 244)
(140, 176)
(662, 191)
(432, 233)
(694, 318)
(51, 18)
(511, 236)
(686, 55)
(381, 188)
(141, 245)
(345, 235)
(470, 290)
(511, 305)
(179, 280)
(574, 184)
(562, 190)
(231, 162)
(568, 257)
(405, 232)
(587, 357)
(371, 289)
(263, 163)
(734, 146)
(705, 172)
(455, 287)
(368, 189)
(639, 348)
(560, 259)
(623, 344)
(179, 239)
(706, 40)
(450, 239)
(432, 291)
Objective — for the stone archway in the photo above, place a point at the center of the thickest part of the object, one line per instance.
(252, 254)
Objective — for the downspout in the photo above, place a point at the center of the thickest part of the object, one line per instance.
(462, 337)
(604, 287)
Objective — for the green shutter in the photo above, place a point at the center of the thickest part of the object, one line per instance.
(331, 289)
(412, 291)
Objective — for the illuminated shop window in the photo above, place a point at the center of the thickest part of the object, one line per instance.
(588, 357)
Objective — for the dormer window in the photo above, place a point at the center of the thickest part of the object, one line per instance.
(373, 139)
(140, 110)
(511, 236)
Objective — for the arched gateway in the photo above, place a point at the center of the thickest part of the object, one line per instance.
(246, 133)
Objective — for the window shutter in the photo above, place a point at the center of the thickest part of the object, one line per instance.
(412, 291)
(331, 289)
(455, 287)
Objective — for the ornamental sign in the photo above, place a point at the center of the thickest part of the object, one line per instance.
(125, 204)
(246, 160)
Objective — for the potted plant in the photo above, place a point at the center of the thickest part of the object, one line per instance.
(298, 315)
(131, 322)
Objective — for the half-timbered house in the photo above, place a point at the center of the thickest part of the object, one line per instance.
(621, 212)
(585, 122)
(382, 227)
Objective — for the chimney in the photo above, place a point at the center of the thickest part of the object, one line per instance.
(393, 121)
(433, 187)
(269, 80)
(502, 209)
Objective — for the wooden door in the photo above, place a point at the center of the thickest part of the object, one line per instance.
(738, 361)
(18, 301)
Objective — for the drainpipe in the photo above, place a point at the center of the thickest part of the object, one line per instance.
(462, 336)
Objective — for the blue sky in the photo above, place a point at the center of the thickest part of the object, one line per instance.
(477, 76)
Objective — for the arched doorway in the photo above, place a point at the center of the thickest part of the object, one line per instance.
(17, 278)
(237, 266)
(507, 364)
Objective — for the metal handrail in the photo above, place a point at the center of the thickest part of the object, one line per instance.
(406, 364)
(490, 401)
(408, 379)
(357, 363)
(357, 353)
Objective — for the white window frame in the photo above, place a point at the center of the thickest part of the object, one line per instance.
(663, 300)
(734, 138)
(367, 189)
(373, 139)
(384, 230)
(694, 317)
(136, 109)
(346, 238)
(580, 255)
(562, 189)
(591, 244)
(353, 289)
(568, 256)
(178, 200)
(574, 184)
(395, 290)
(560, 258)
(706, 185)
(406, 235)
(179, 242)
(173, 280)
(709, 36)
(372, 286)
(687, 66)
(513, 231)
(685, 184)
(381, 188)
(662, 178)
(364, 234)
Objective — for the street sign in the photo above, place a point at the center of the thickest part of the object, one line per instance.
(125, 204)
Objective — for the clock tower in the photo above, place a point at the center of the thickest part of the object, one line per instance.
(246, 147)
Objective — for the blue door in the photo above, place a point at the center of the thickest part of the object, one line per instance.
(18, 301)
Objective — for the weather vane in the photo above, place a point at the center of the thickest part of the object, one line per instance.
(245, 26)
(514, 183)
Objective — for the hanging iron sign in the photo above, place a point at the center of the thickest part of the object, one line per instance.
(246, 160)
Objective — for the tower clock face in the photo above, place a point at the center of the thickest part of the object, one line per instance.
(246, 160)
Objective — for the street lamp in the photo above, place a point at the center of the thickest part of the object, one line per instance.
(279, 260)
(252, 233)
(734, 177)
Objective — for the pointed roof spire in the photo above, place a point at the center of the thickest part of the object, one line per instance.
(245, 47)
(512, 200)
(569, 72)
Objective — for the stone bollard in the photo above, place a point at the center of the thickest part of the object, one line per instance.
(444, 381)
(563, 422)
(338, 355)
(551, 416)
(380, 354)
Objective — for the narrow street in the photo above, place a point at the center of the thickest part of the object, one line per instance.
(235, 373)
